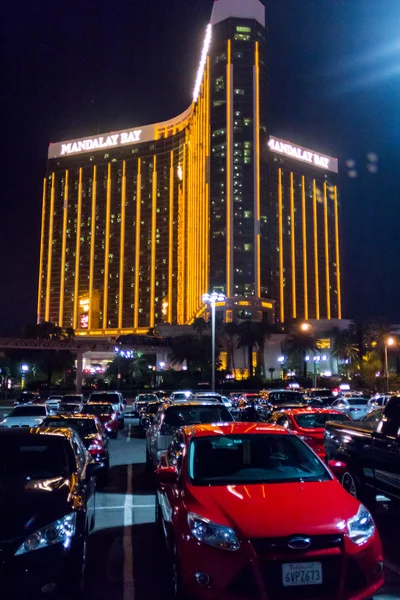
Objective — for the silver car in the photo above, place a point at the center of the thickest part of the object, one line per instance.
(171, 417)
(355, 408)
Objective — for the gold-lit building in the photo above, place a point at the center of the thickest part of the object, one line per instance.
(137, 224)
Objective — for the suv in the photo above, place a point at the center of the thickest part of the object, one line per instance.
(114, 398)
(171, 417)
(278, 399)
(141, 401)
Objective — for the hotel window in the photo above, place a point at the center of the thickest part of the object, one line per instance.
(242, 37)
(248, 121)
(220, 57)
(219, 132)
(219, 83)
(241, 29)
(247, 247)
(238, 55)
(219, 102)
(239, 92)
(248, 214)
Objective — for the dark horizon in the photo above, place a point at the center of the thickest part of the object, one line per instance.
(332, 88)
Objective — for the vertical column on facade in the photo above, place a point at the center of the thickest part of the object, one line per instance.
(107, 249)
(78, 251)
(40, 286)
(137, 250)
(92, 245)
(257, 196)
(280, 237)
(293, 247)
(229, 171)
(337, 251)
(122, 247)
(170, 236)
(153, 243)
(50, 249)
(305, 263)
(207, 205)
(316, 256)
(328, 283)
(63, 251)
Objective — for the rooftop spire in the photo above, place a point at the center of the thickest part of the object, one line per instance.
(242, 9)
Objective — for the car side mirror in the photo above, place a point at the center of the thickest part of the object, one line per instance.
(337, 467)
(166, 475)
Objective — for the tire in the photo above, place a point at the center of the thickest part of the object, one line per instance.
(352, 484)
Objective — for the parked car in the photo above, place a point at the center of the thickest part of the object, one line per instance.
(356, 408)
(171, 417)
(116, 399)
(308, 424)
(53, 402)
(46, 512)
(225, 503)
(280, 399)
(69, 409)
(104, 411)
(148, 413)
(323, 394)
(25, 416)
(27, 398)
(91, 433)
(368, 454)
(77, 399)
(206, 397)
(180, 396)
(141, 401)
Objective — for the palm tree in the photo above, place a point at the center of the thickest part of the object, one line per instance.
(231, 331)
(185, 349)
(249, 337)
(299, 343)
(200, 325)
(344, 346)
(359, 329)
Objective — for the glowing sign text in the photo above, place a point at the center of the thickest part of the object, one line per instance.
(112, 140)
(303, 154)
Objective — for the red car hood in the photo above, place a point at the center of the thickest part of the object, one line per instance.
(275, 510)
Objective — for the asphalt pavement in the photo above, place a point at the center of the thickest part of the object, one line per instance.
(127, 560)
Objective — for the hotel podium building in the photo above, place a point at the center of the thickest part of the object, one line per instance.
(138, 224)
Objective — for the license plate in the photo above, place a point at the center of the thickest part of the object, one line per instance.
(294, 574)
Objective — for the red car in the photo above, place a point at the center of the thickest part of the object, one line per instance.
(249, 511)
(105, 413)
(308, 424)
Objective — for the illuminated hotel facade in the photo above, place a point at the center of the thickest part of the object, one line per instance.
(138, 224)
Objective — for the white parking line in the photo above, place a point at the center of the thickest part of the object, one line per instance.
(128, 437)
(129, 588)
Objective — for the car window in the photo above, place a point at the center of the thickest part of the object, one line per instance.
(28, 411)
(189, 415)
(40, 457)
(374, 416)
(391, 418)
(253, 459)
(153, 409)
(81, 426)
(98, 409)
(357, 401)
(317, 420)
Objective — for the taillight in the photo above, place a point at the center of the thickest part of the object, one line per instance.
(96, 447)
(114, 417)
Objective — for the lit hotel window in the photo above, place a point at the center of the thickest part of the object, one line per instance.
(220, 57)
(219, 102)
(242, 29)
(239, 92)
(247, 247)
(242, 37)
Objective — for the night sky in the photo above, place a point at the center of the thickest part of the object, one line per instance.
(72, 69)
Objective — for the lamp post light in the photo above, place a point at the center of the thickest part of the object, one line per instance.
(305, 327)
(24, 370)
(389, 342)
(211, 299)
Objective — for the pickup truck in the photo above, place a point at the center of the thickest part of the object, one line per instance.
(365, 456)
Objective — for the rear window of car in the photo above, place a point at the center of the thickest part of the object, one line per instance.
(286, 397)
(147, 398)
(84, 426)
(153, 408)
(113, 398)
(37, 458)
(28, 411)
(190, 415)
(98, 409)
(72, 399)
(357, 401)
(317, 420)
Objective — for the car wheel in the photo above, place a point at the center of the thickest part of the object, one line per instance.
(349, 484)
(354, 486)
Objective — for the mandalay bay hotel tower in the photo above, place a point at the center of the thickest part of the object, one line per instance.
(137, 224)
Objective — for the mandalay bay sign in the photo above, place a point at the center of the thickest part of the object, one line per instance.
(98, 143)
(304, 154)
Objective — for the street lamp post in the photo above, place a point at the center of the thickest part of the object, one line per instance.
(211, 299)
(388, 343)
(24, 370)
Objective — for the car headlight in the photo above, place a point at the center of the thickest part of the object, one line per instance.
(212, 534)
(58, 532)
(361, 527)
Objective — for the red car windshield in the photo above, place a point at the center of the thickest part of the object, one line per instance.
(253, 459)
(317, 420)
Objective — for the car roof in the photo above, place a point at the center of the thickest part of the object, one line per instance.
(235, 427)
(74, 416)
(310, 411)
(191, 404)
(26, 434)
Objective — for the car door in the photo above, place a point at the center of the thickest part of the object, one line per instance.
(169, 494)
(386, 451)
(87, 484)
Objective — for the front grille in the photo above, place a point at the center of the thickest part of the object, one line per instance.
(272, 576)
(264, 546)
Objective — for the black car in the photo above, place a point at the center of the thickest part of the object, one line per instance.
(27, 398)
(47, 485)
(69, 409)
(92, 434)
(282, 399)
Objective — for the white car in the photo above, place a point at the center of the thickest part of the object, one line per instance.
(29, 415)
(53, 402)
(355, 408)
(180, 396)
